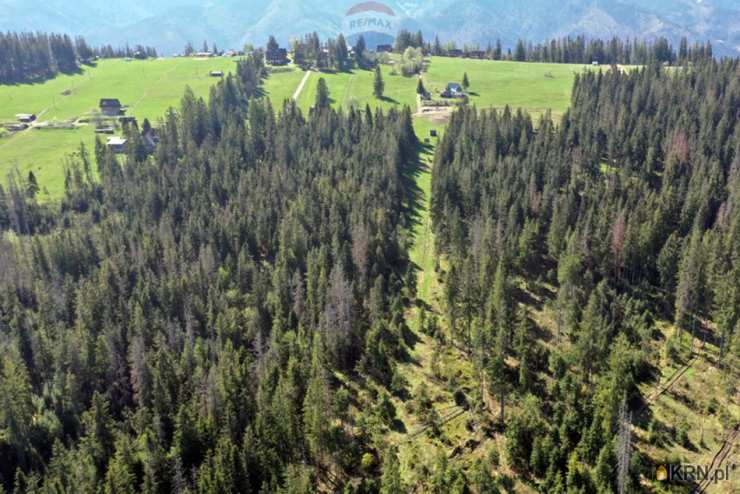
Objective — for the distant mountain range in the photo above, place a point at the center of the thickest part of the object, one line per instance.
(169, 24)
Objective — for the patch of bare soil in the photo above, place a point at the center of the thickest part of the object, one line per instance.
(438, 115)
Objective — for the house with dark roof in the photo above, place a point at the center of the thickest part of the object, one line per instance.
(25, 117)
(384, 49)
(111, 107)
(453, 90)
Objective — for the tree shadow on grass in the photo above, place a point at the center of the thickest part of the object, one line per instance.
(388, 99)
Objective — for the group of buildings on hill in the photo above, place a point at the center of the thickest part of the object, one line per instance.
(114, 109)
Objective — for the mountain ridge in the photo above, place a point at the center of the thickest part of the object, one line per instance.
(169, 24)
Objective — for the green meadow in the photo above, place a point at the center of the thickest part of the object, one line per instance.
(355, 88)
(150, 87)
(280, 85)
(535, 87)
(45, 152)
(147, 87)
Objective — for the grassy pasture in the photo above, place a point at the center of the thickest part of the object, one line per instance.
(148, 87)
(535, 87)
(355, 88)
(280, 86)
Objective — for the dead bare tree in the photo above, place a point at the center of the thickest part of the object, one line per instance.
(624, 447)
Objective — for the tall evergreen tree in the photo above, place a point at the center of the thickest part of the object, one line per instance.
(323, 100)
(378, 83)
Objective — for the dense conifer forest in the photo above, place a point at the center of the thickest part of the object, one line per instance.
(176, 326)
(228, 312)
(575, 50)
(33, 57)
(630, 208)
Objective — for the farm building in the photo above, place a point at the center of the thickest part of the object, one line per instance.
(455, 52)
(111, 107)
(25, 117)
(384, 49)
(117, 144)
(16, 127)
(216, 73)
(453, 90)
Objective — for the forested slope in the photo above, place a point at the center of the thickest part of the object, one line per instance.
(237, 310)
(629, 208)
(177, 326)
(33, 57)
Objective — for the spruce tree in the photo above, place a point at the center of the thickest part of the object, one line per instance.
(524, 343)
(317, 405)
(378, 83)
(496, 373)
(33, 185)
(420, 89)
(688, 291)
(360, 48)
(323, 100)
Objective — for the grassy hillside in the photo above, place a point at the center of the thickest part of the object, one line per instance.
(694, 405)
(355, 88)
(148, 87)
(282, 84)
(441, 368)
(534, 86)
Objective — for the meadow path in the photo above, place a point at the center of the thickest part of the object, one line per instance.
(300, 87)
